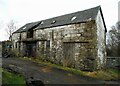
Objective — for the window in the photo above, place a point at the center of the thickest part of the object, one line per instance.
(30, 34)
(53, 22)
(41, 22)
(15, 44)
(90, 19)
(73, 18)
(24, 28)
(20, 37)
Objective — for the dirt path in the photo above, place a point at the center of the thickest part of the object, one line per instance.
(47, 74)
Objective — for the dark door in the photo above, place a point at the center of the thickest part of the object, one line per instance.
(69, 49)
(31, 49)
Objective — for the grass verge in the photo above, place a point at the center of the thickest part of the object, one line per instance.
(12, 79)
(108, 74)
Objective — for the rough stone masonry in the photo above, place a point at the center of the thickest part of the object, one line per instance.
(76, 40)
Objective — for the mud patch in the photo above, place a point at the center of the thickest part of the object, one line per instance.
(46, 69)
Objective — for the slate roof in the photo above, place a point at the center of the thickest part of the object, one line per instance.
(27, 27)
(80, 16)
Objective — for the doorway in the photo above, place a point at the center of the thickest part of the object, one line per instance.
(31, 49)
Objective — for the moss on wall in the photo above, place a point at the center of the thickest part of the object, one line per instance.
(72, 45)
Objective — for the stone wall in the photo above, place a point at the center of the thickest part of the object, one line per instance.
(15, 44)
(101, 41)
(23, 36)
(79, 45)
(70, 45)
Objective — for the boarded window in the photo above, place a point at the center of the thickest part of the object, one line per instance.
(73, 50)
(69, 50)
(68, 54)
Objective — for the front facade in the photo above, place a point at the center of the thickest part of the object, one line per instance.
(75, 40)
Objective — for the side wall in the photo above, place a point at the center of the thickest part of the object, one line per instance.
(15, 39)
(18, 46)
(101, 41)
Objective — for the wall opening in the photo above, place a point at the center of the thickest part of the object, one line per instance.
(68, 50)
(30, 34)
(48, 48)
(31, 49)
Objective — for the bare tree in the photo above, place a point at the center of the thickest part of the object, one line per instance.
(113, 42)
(118, 36)
(11, 27)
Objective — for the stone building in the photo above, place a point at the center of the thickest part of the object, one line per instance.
(6, 47)
(75, 40)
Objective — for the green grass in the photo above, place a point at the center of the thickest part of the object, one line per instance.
(12, 79)
(108, 74)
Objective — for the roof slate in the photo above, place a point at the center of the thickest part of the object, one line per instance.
(27, 27)
(81, 16)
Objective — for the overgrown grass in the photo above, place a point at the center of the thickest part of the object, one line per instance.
(76, 71)
(12, 79)
(108, 74)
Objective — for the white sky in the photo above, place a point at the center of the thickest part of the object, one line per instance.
(24, 11)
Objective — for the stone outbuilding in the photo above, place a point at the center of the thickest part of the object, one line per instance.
(75, 40)
(6, 49)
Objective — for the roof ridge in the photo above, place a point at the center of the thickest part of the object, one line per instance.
(70, 18)
(72, 13)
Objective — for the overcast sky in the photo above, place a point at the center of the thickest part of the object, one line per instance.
(24, 11)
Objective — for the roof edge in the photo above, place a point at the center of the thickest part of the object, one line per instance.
(103, 19)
